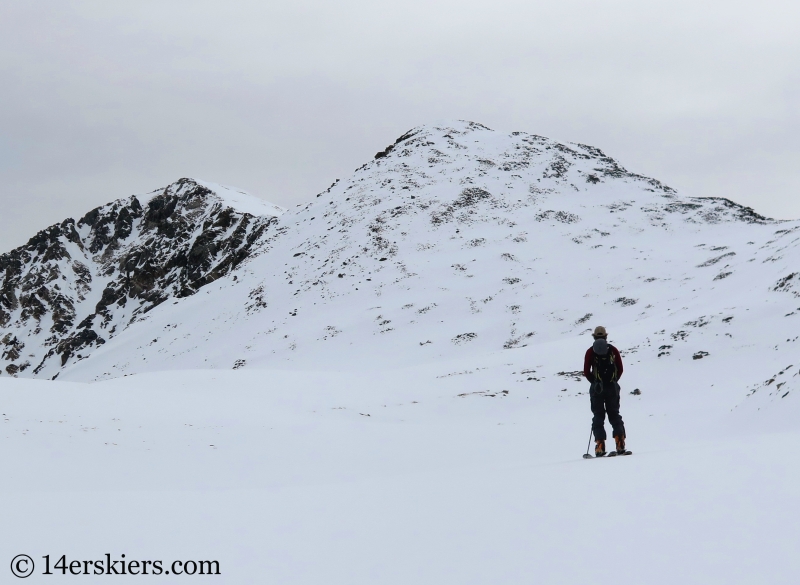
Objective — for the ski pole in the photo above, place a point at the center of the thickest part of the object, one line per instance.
(590, 441)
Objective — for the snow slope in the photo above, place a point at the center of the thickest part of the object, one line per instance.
(460, 241)
(383, 386)
(394, 477)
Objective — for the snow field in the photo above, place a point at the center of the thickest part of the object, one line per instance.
(385, 391)
(282, 476)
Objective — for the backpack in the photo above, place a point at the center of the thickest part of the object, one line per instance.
(605, 368)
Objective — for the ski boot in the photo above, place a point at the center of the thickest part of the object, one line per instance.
(620, 441)
(600, 449)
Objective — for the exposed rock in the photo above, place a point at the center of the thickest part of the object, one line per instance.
(473, 229)
(138, 254)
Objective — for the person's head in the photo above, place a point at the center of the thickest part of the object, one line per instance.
(600, 332)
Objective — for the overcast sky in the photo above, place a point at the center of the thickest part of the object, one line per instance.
(100, 100)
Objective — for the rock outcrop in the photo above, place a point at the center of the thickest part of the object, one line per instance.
(76, 284)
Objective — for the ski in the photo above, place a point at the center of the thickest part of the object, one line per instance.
(611, 454)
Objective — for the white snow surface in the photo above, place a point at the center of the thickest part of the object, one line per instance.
(242, 200)
(393, 477)
(388, 391)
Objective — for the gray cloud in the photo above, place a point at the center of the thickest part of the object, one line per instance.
(101, 100)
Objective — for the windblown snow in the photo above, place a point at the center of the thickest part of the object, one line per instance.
(407, 404)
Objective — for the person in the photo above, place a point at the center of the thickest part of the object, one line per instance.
(602, 366)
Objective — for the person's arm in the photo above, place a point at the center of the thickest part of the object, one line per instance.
(618, 362)
(587, 364)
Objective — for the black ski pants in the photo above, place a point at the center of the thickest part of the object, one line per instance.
(605, 399)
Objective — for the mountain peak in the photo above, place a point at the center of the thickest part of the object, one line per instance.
(228, 196)
(484, 158)
(76, 284)
(457, 237)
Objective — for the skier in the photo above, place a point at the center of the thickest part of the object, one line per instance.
(602, 366)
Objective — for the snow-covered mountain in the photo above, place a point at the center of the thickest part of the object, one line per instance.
(382, 385)
(77, 284)
(454, 241)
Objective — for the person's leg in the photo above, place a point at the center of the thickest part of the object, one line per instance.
(612, 407)
(599, 418)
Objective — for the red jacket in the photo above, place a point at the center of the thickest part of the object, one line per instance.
(588, 360)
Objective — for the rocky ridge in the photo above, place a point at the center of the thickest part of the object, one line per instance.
(76, 284)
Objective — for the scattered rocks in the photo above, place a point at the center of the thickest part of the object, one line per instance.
(463, 338)
(712, 261)
(626, 302)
